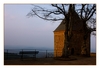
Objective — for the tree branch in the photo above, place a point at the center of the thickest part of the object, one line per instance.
(53, 19)
(59, 8)
(83, 5)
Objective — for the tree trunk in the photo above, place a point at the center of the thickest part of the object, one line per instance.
(66, 42)
(68, 31)
(84, 45)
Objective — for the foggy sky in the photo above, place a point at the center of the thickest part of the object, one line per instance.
(23, 32)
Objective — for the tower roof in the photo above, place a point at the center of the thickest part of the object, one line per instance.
(61, 27)
(76, 23)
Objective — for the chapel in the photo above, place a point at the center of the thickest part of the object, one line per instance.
(76, 40)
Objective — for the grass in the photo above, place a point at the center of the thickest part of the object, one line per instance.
(51, 61)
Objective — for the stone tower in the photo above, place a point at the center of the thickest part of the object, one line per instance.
(76, 40)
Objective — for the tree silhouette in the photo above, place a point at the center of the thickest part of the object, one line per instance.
(87, 14)
(65, 12)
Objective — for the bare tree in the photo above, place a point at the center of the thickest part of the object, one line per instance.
(87, 14)
(65, 11)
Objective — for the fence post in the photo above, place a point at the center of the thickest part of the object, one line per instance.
(46, 53)
(35, 53)
(22, 55)
(7, 53)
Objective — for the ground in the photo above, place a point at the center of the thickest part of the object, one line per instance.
(51, 61)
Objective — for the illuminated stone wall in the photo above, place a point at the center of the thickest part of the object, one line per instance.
(75, 43)
(58, 43)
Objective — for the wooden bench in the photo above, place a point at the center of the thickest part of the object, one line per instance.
(28, 52)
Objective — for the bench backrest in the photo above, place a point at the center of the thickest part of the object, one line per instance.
(28, 52)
